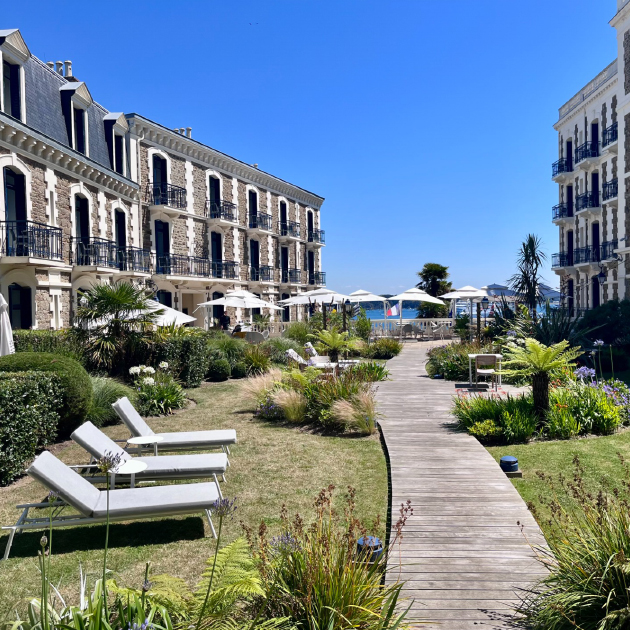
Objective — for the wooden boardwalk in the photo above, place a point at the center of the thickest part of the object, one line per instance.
(464, 557)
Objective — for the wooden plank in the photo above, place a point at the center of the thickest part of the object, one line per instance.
(463, 556)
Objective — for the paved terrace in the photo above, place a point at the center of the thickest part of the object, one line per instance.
(464, 558)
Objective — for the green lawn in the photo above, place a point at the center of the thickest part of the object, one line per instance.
(272, 465)
(598, 456)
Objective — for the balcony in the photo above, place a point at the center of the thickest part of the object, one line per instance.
(610, 190)
(261, 222)
(221, 212)
(291, 276)
(608, 249)
(99, 252)
(587, 201)
(166, 198)
(264, 273)
(609, 138)
(289, 230)
(183, 266)
(586, 255)
(27, 239)
(587, 154)
(561, 169)
(561, 211)
(563, 259)
(224, 270)
(317, 278)
(317, 237)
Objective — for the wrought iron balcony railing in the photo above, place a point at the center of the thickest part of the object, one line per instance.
(589, 149)
(563, 165)
(317, 236)
(176, 265)
(133, 259)
(225, 269)
(608, 249)
(587, 200)
(166, 195)
(264, 273)
(225, 210)
(289, 228)
(28, 238)
(610, 135)
(563, 259)
(93, 252)
(291, 276)
(562, 211)
(586, 255)
(610, 189)
(261, 221)
(317, 278)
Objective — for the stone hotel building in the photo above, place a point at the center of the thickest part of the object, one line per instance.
(93, 196)
(593, 176)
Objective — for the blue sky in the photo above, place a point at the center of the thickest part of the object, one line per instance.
(426, 124)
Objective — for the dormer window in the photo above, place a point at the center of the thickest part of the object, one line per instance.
(79, 130)
(116, 128)
(119, 151)
(11, 93)
(75, 103)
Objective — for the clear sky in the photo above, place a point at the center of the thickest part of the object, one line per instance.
(426, 124)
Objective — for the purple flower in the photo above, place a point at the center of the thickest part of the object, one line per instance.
(284, 544)
(598, 342)
(511, 333)
(224, 508)
(585, 372)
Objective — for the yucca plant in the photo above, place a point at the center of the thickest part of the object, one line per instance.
(536, 362)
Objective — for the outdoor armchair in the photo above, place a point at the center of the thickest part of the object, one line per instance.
(164, 468)
(90, 504)
(485, 365)
(182, 441)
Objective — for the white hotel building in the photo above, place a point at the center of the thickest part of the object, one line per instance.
(593, 176)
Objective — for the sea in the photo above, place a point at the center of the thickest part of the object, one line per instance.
(407, 313)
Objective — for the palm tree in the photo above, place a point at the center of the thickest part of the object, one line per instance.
(433, 280)
(527, 281)
(334, 342)
(111, 317)
(536, 362)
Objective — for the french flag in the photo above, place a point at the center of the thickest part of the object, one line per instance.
(393, 311)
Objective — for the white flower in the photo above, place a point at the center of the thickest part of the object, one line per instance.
(148, 370)
(164, 365)
(148, 381)
(134, 371)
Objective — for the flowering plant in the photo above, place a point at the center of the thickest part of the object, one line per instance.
(158, 392)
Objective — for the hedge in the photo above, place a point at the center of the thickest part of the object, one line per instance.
(56, 341)
(187, 358)
(75, 383)
(219, 370)
(29, 416)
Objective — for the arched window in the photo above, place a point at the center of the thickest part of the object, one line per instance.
(214, 187)
(20, 306)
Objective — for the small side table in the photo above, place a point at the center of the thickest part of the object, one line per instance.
(146, 440)
(130, 467)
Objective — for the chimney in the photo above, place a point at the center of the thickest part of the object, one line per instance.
(68, 68)
(59, 65)
(182, 130)
(189, 132)
(51, 64)
(176, 130)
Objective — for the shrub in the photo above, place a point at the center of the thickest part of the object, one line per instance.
(258, 387)
(321, 394)
(74, 380)
(239, 370)
(451, 361)
(363, 326)
(257, 360)
(105, 392)
(518, 425)
(158, 392)
(268, 409)
(359, 413)
(277, 349)
(371, 371)
(226, 347)
(292, 403)
(385, 348)
(187, 356)
(55, 341)
(486, 431)
(218, 370)
(298, 332)
(30, 403)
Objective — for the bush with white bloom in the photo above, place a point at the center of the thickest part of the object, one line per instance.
(158, 392)
(134, 371)
(147, 380)
(163, 365)
(148, 370)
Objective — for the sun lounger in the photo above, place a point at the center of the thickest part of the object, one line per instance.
(90, 503)
(182, 441)
(165, 467)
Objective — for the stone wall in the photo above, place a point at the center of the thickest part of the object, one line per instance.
(613, 107)
(42, 315)
(199, 190)
(201, 246)
(39, 200)
(179, 242)
(64, 212)
(626, 62)
(242, 203)
(227, 188)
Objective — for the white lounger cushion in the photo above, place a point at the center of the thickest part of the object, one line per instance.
(181, 440)
(132, 503)
(97, 444)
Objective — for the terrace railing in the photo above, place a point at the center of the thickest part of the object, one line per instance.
(176, 265)
(225, 269)
(587, 200)
(317, 278)
(610, 189)
(589, 149)
(561, 211)
(589, 254)
(225, 210)
(317, 236)
(28, 238)
(608, 249)
(610, 134)
(563, 259)
(261, 221)
(291, 276)
(263, 273)
(165, 194)
(289, 228)
(563, 165)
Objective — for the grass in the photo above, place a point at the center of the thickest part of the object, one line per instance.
(272, 465)
(598, 456)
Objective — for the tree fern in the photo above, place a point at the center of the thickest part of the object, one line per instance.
(235, 578)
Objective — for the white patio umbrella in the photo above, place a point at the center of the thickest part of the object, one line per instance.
(318, 296)
(6, 333)
(466, 293)
(240, 302)
(498, 291)
(365, 296)
(414, 295)
(168, 315)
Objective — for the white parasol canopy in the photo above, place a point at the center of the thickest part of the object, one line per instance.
(318, 296)
(6, 334)
(168, 316)
(415, 295)
(365, 296)
(465, 293)
(498, 291)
